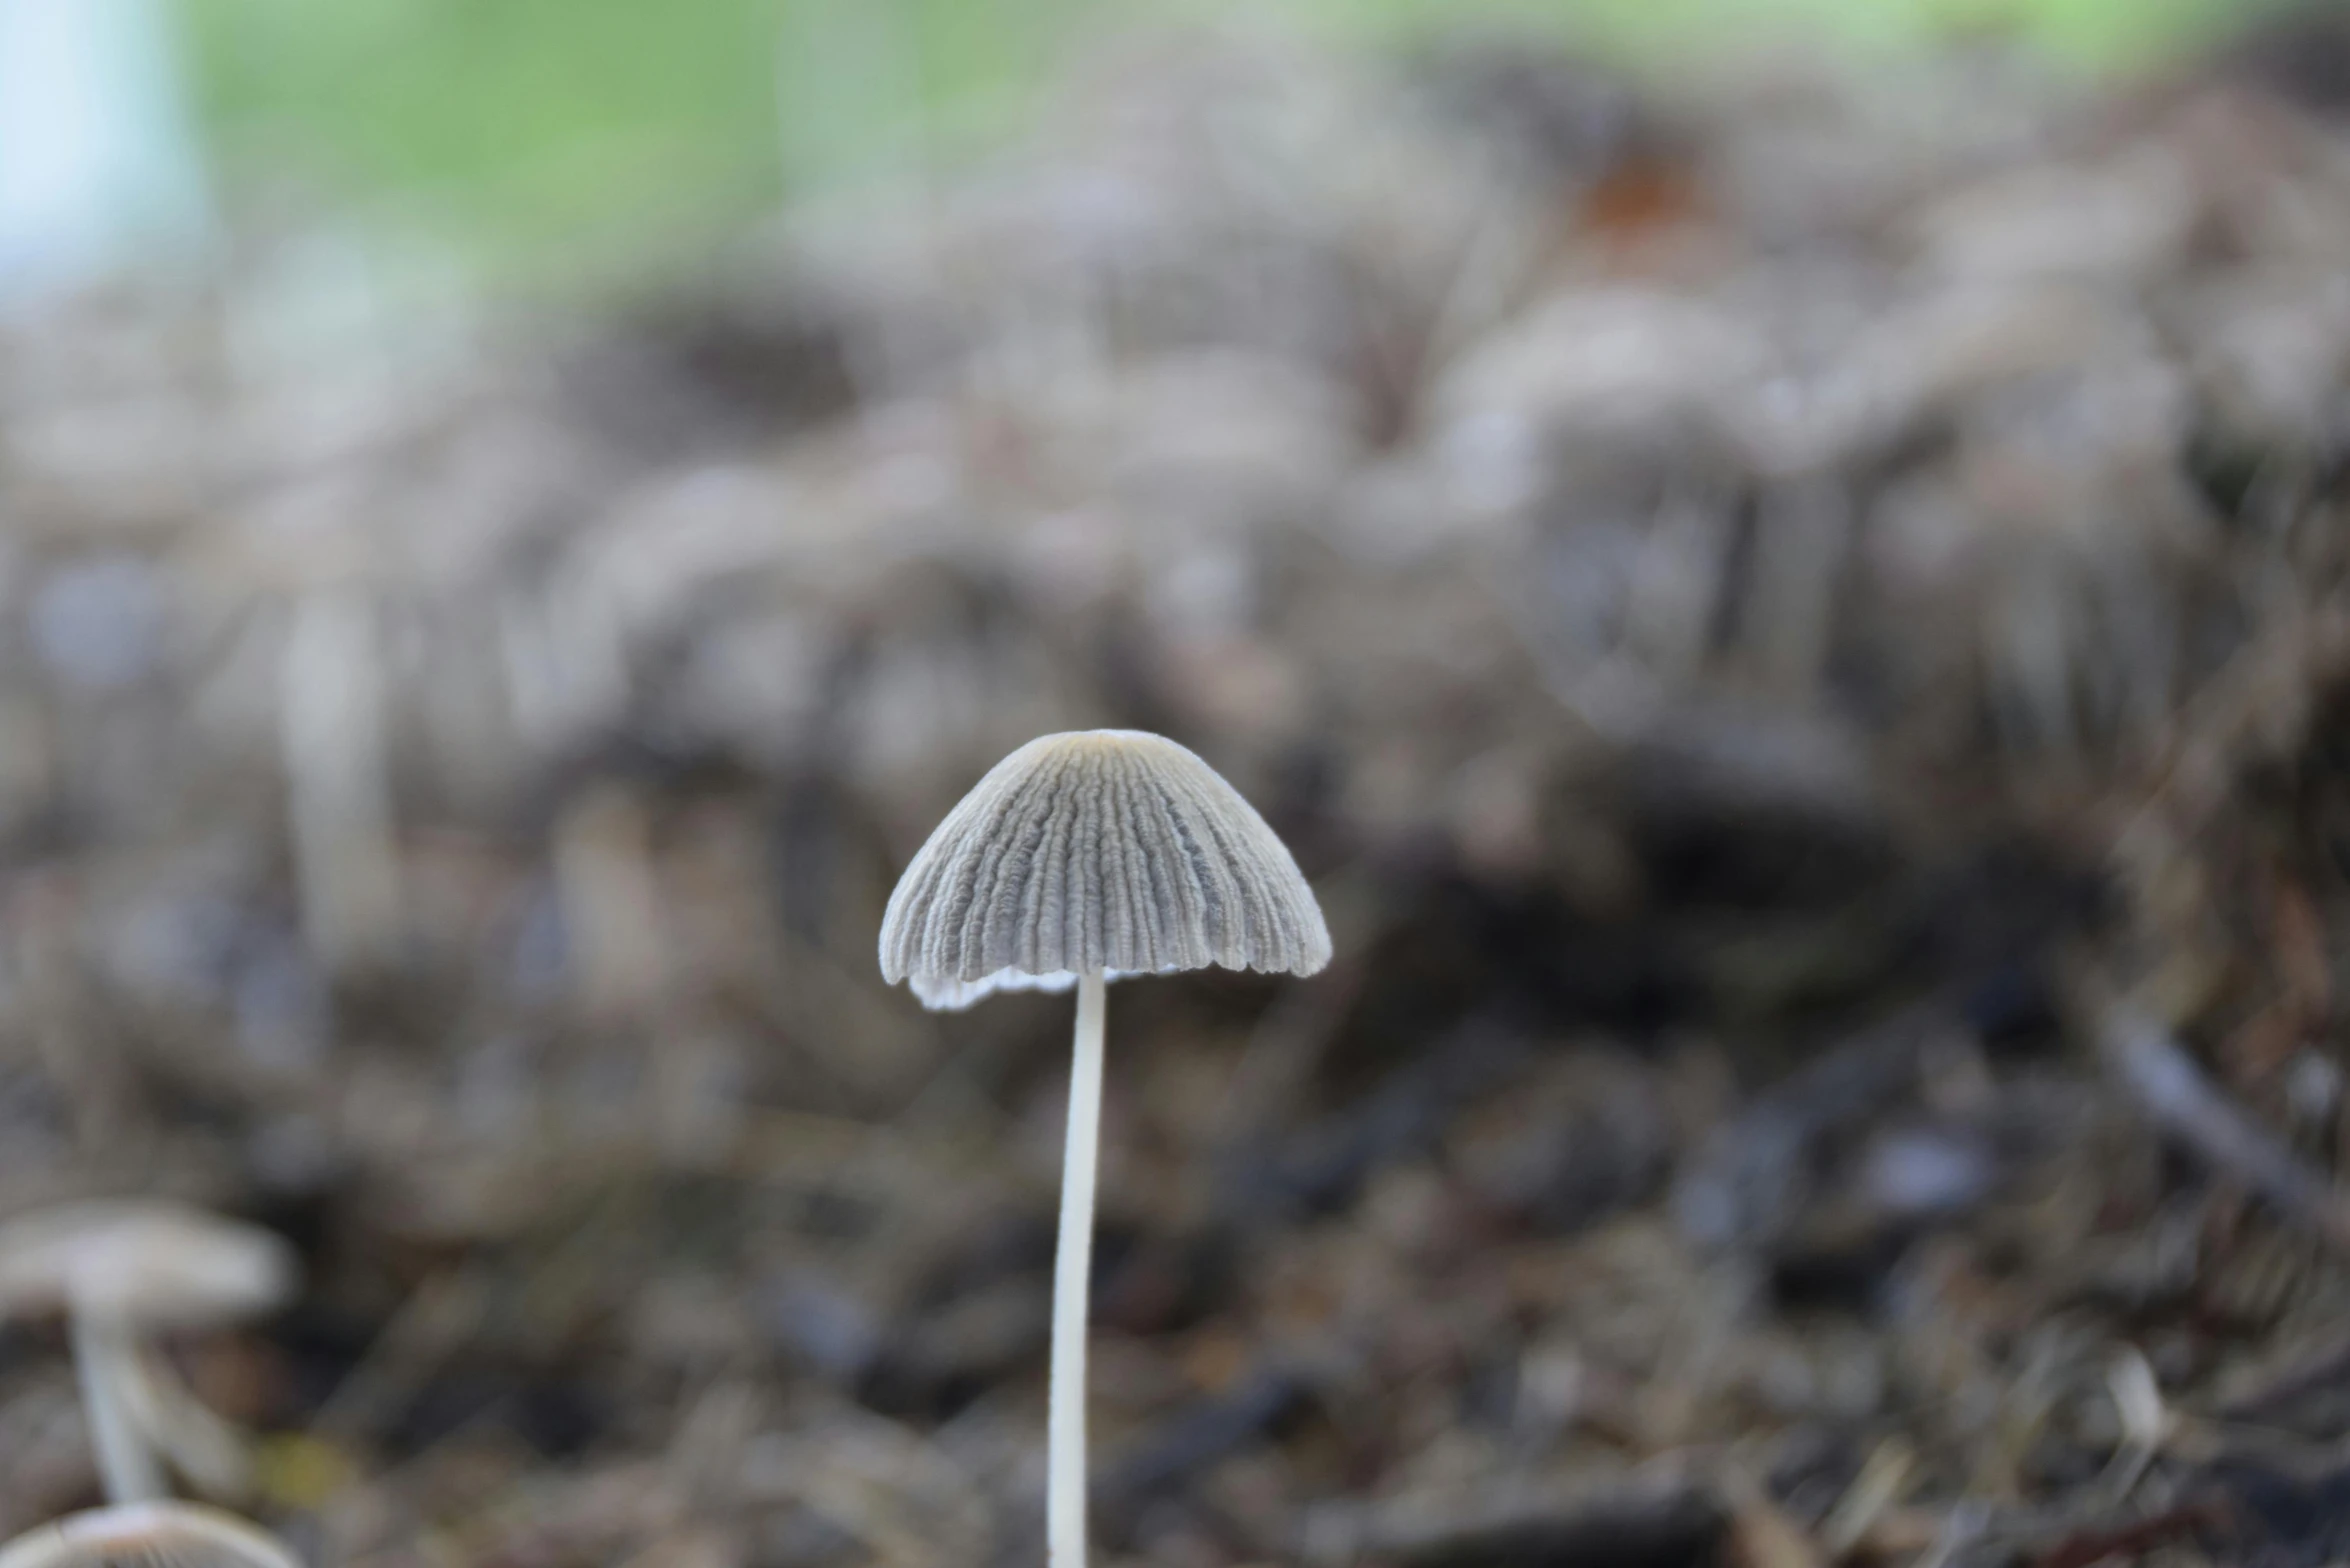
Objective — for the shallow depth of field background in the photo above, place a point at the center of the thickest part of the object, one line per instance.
(542, 123)
(1780, 566)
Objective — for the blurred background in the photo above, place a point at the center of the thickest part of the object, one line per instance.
(1779, 565)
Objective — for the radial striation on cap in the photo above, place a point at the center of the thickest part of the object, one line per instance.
(147, 1535)
(1114, 850)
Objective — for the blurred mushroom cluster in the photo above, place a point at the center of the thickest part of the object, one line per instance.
(1793, 618)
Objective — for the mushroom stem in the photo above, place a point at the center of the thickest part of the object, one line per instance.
(198, 1446)
(106, 1358)
(1072, 1270)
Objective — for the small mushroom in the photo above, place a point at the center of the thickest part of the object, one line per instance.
(1078, 859)
(116, 1268)
(147, 1535)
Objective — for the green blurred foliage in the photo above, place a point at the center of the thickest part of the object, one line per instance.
(529, 122)
(623, 126)
(517, 118)
(2089, 34)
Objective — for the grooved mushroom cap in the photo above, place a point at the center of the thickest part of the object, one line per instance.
(146, 1262)
(147, 1535)
(1100, 849)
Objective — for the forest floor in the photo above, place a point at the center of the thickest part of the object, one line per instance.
(1796, 624)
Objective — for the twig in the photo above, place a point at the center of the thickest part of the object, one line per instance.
(2144, 1057)
(1199, 1435)
(1752, 1176)
(2129, 1541)
(1643, 1524)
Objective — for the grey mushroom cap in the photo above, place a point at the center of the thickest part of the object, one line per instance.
(142, 1261)
(1113, 850)
(147, 1535)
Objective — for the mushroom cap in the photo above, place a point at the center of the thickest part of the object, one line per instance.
(147, 1535)
(1113, 850)
(143, 1261)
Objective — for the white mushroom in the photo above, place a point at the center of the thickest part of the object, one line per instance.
(147, 1535)
(1079, 858)
(116, 1268)
(1101, 850)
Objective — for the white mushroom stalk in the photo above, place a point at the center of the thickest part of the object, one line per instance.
(106, 1360)
(1080, 857)
(337, 775)
(1072, 1279)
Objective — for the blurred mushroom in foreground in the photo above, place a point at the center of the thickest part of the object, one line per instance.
(1079, 858)
(152, 1535)
(117, 1268)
